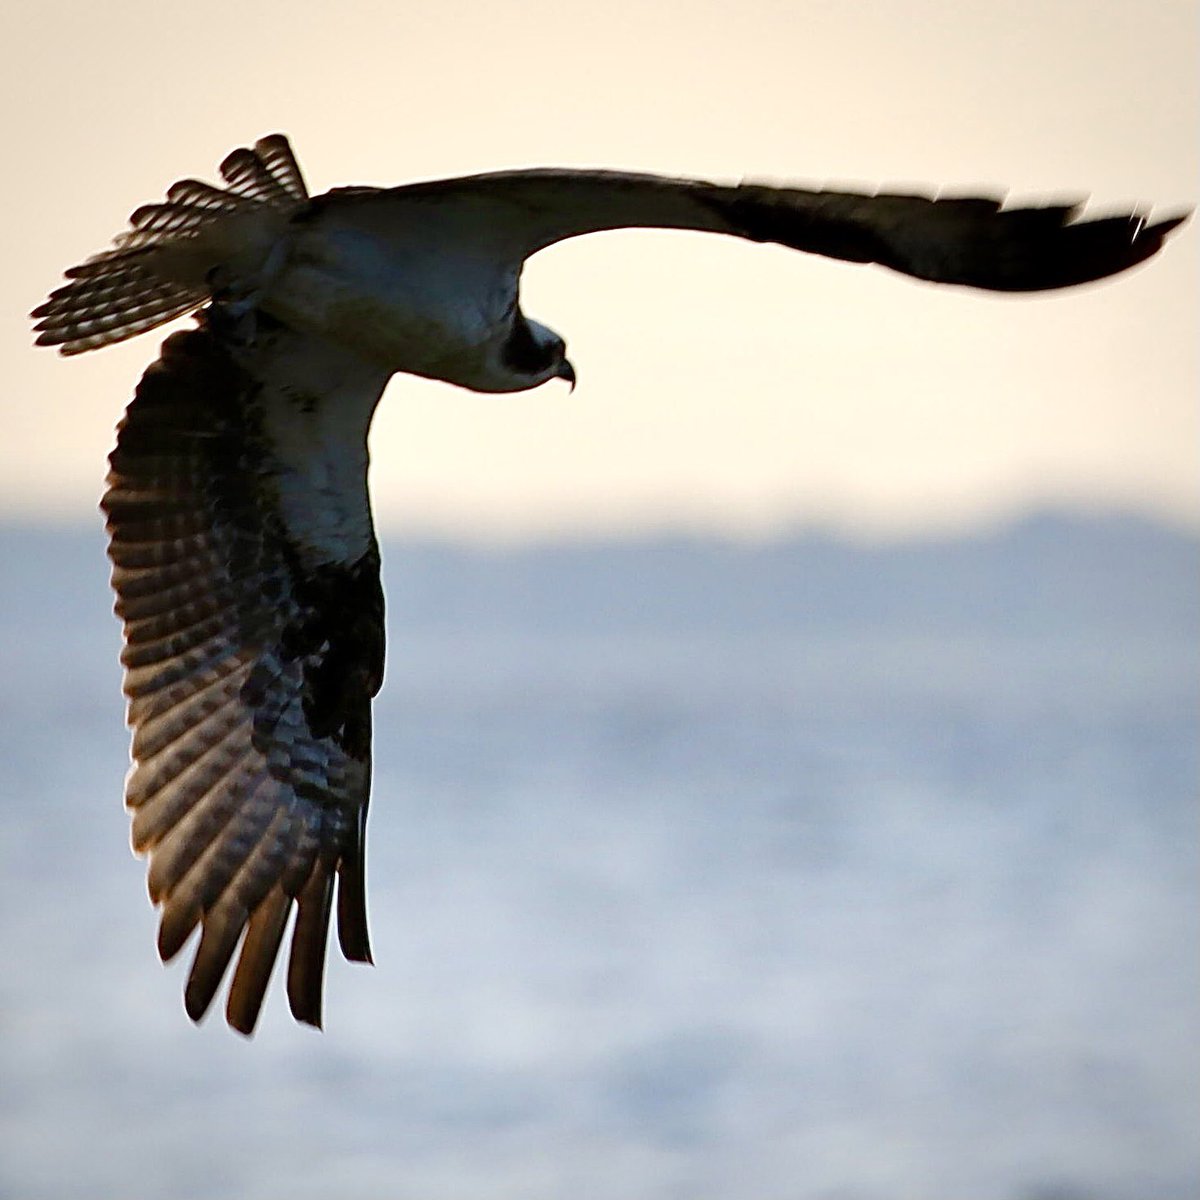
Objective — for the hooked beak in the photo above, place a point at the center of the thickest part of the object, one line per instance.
(567, 372)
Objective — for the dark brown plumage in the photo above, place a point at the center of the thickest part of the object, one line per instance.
(249, 680)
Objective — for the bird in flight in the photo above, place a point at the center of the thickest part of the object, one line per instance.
(244, 557)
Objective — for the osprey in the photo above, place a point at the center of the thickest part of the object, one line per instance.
(244, 559)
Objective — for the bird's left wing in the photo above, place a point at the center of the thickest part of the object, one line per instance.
(975, 241)
(247, 577)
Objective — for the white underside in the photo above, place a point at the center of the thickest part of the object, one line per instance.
(412, 296)
(316, 406)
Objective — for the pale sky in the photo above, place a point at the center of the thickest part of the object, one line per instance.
(722, 385)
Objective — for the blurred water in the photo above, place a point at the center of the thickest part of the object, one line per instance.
(798, 871)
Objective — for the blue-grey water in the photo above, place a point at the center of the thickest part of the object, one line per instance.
(799, 871)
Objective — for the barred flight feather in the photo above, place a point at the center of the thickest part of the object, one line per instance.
(117, 294)
(251, 755)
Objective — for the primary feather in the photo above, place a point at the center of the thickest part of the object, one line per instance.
(253, 646)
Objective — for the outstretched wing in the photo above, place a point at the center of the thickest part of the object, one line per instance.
(973, 241)
(247, 577)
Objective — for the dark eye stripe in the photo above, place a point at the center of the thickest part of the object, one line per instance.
(522, 354)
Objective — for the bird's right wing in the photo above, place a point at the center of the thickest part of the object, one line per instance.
(974, 241)
(247, 577)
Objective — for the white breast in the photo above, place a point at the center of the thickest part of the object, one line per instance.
(315, 407)
(411, 288)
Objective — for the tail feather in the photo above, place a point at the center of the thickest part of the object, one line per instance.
(155, 223)
(130, 280)
(92, 306)
(198, 194)
(275, 152)
(118, 293)
(268, 173)
(82, 332)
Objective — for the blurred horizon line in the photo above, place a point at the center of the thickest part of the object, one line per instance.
(866, 535)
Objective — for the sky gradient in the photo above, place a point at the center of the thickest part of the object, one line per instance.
(722, 386)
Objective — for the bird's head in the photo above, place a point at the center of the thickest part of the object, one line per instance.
(533, 354)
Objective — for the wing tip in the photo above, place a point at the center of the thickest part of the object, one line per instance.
(1162, 229)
